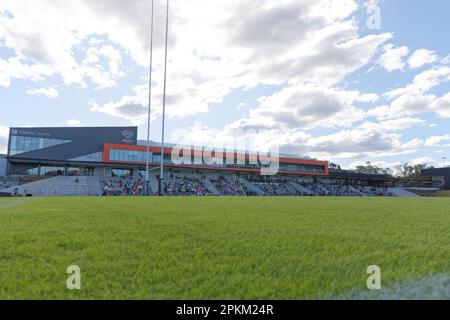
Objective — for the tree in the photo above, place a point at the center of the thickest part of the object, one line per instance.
(409, 171)
(370, 168)
(334, 166)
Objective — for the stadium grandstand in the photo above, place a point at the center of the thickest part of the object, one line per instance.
(110, 161)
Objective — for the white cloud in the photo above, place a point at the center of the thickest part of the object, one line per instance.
(14, 68)
(131, 107)
(436, 141)
(422, 160)
(378, 163)
(51, 93)
(215, 45)
(72, 122)
(92, 69)
(422, 57)
(411, 104)
(380, 112)
(392, 58)
(442, 106)
(305, 106)
(353, 143)
(346, 144)
(423, 82)
(4, 134)
(395, 124)
(306, 48)
(358, 143)
(413, 144)
(38, 55)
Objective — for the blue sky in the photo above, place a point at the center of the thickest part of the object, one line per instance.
(307, 76)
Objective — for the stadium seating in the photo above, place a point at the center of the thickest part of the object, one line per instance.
(191, 185)
(331, 190)
(400, 192)
(123, 187)
(58, 186)
(10, 182)
(185, 186)
(275, 189)
(227, 187)
(250, 188)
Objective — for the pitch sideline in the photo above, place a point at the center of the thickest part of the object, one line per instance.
(13, 204)
(434, 287)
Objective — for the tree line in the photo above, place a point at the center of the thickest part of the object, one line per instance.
(405, 170)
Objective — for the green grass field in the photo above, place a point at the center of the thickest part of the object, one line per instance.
(218, 248)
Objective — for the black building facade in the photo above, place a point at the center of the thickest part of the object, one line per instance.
(441, 177)
(38, 151)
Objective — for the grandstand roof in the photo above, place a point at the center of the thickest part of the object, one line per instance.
(359, 175)
(434, 172)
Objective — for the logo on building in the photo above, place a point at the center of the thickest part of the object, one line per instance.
(128, 134)
(14, 131)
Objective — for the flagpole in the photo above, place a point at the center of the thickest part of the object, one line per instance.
(161, 178)
(147, 181)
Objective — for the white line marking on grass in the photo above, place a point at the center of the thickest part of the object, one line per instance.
(12, 204)
(435, 287)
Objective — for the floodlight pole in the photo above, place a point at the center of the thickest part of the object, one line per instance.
(147, 179)
(161, 178)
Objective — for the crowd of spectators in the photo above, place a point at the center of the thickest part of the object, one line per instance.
(185, 186)
(192, 186)
(275, 189)
(229, 188)
(317, 188)
(343, 189)
(189, 186)
(120, 187)
(331, 190)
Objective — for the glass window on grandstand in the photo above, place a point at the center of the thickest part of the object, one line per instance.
(129, 156)
(119, 173)
(45, 171)
(74, 172)
(302, 168)
(438, 182)
(22, 144)
(157, 159)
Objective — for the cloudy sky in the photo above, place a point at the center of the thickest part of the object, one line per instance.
(320, 78)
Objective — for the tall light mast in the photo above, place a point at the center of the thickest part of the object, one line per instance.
(161, 178)
(147, 179)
